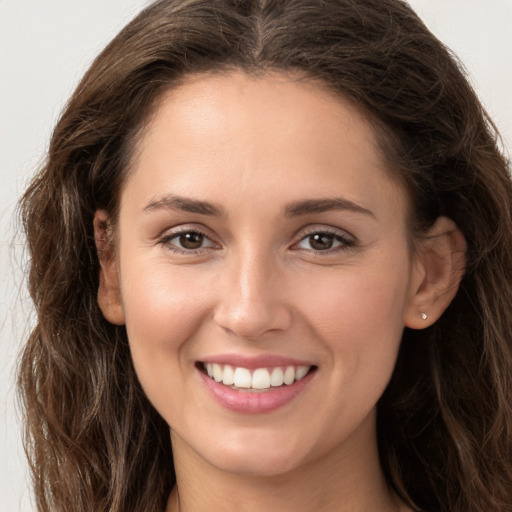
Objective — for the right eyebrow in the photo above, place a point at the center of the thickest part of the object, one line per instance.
(185, 204)
(309, 206)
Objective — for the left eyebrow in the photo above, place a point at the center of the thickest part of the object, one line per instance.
(309, 206)
(185, 204)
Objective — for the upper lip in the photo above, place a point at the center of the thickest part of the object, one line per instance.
(253, 362)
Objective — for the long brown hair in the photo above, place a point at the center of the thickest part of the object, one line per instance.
(445, 421)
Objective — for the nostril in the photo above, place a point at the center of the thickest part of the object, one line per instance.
(252, 326)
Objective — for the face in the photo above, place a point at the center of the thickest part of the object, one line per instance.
(262, 240)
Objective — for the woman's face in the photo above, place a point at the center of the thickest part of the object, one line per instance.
(261, 238)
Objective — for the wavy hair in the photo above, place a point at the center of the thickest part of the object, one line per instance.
(94, 442)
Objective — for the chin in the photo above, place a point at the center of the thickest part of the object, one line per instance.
(260, 465)
(261, 454)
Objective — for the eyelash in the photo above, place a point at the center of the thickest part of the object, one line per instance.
(166, 241)
(346, 242)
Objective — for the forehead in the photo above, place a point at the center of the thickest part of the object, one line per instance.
(213, 105)
(233, 134)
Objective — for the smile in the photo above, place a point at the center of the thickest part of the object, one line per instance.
(261, 388)
(258, 379)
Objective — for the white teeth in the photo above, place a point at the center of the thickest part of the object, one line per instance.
(242, 378)
(228, 378)
(217, 372)
(276, 379)
(260, 378)
(301, 372)
(289, 375)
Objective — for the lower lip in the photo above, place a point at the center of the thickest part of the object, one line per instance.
(259, 402)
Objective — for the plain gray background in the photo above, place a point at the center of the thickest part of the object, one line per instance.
(46, 45)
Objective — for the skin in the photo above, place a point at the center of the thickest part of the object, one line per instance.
(257, 285)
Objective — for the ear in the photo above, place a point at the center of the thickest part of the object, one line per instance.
(109, 293)
(438, 270)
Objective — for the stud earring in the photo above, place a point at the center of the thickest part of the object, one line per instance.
(424, 316)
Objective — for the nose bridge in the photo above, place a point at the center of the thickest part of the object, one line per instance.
(257, 278)
(251, 302)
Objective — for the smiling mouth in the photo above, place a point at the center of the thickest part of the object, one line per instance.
(256, 380)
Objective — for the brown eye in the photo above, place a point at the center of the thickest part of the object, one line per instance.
(191, 240)
(321, 241)
(325, 241)
(188, 242)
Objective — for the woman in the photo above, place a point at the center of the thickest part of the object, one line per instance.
(270, 256)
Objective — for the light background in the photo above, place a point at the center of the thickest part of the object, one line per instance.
(45, 46)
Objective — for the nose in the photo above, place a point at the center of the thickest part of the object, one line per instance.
(251, 303)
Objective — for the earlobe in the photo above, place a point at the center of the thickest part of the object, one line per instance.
(438, 270)
(109, 294)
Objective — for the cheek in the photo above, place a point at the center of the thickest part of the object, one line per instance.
(360, 298)
(162, 304)
(163, 310)
(359, 318)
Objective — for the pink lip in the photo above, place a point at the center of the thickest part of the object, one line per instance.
(253, 362)
(247, 402)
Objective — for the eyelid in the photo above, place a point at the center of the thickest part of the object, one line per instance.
(173, 232)
(323, 228)
(177, 229)
(348, 240)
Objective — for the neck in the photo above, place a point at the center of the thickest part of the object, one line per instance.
(348, 478)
